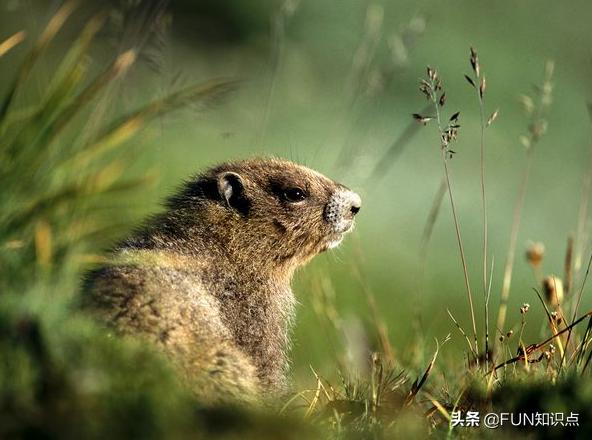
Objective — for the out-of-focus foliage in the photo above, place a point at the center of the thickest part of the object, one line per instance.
(83, 95)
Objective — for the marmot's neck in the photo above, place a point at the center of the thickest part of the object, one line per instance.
(220, 245)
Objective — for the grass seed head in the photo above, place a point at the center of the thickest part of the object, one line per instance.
(474, 59)
(553, 289)
(482, 87)
(492, 118)
(535, 254)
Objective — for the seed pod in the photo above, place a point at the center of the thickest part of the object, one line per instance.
(535, 254)
(482, 87)
(553, 289)
(475, 62)
(469, 80)
(422, 119)
(492, 118)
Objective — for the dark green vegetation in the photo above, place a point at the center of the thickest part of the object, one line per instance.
(85, 127)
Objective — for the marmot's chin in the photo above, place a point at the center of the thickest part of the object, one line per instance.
(335, 239)
(334, 243)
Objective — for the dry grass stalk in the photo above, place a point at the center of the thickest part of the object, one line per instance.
(554, 321)
(11, 42)
(536, 129)
(581, 238)
(568, 265)
(416, 386)
(462, 332)
(279, 23)
(479, 78)
(431, 87)
(576, 307)
(48, 34)
(379, 323)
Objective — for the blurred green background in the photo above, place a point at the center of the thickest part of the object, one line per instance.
(331, 84)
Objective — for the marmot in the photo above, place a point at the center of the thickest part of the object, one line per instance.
(208, 280)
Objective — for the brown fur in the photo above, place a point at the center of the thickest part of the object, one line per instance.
(208, 280)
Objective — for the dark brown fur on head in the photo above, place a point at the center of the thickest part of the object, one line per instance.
(266, 214)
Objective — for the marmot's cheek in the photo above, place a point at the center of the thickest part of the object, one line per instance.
(341, 209)
(279, 227)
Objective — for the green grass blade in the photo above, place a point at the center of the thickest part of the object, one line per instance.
(47, 36)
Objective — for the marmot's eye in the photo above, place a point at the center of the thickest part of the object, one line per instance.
(294, 194)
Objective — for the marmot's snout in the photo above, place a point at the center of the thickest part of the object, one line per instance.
(341, 209)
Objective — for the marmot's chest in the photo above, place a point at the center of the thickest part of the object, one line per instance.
(260, 311)
(260, 320)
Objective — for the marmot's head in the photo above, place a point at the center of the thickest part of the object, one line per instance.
(268, 209)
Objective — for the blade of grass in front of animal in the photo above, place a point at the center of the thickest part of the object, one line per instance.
(315, 399)
(438, 406)
(118, 68)
(317, 377)
(49, 203)
(301, 395)
(33, 132)
(417, 385)
(50, 31)
(78, 50)
(11, 42)
(66, 79)
(127, 126)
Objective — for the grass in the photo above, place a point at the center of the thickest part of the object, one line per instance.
(381, 403)
(62, 180)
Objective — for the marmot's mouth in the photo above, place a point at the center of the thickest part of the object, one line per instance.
(336, 238)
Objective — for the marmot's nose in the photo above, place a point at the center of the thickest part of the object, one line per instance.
(355, 203)
(341, 209)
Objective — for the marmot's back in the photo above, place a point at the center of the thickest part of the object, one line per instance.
(208, 280)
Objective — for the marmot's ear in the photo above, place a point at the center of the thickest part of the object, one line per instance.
(232, 191)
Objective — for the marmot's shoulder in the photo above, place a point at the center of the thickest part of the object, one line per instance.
(148, 297)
